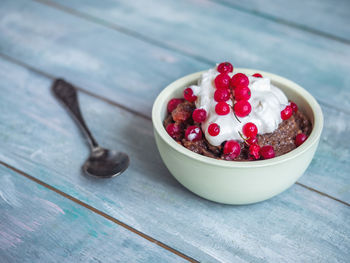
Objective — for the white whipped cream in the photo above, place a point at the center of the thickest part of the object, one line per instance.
(267, 102)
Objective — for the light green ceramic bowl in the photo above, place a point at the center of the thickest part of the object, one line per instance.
(237, 182)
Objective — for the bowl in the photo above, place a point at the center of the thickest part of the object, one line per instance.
(234, 182)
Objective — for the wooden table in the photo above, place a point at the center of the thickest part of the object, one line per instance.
(122, 54)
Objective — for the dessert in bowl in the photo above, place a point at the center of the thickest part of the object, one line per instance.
(227, 151)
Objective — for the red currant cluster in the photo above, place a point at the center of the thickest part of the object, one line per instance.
(288, 111)
(250, 132)
(225, 85)
(192, 133)
(286, 114)
(237, 87)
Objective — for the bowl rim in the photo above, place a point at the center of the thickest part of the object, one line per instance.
(276, 79)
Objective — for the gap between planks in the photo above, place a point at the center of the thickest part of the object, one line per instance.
(99, 212)
(123, 30)
(282, 21)
(136, 34)
(113, 103)
(155, 42)
(321, 193)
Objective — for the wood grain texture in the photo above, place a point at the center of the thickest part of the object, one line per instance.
(63, 48)
(210, 31)
(92, 54)
(38, 225)
(39, 138)
(66, 46)
(322, 16)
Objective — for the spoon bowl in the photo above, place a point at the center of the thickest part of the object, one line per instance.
(104, 163)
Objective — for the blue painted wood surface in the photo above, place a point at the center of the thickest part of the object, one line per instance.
(64, 47)
(104, 47)
(215, 33)
(326, 17)
(38, 225)
(290, 227)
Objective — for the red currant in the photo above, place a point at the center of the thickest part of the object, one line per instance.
(232, 149)
(287, 113)
(188, 95)
(242, 93)
(251, 140)
(250, 130)
(257, 75)
(239, 80)
(267, 152)
(173, 130)
(193, 133)
(225, 67)
(199, 115)
(222, 81)
(294, 106)
(213, 129)
(222, 108)
(300, 139)
(254, 150)
(242, 108)
(172, 104)
(221, 95)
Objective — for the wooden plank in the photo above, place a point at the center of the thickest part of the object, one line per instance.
(38, 225)
(65, 46)
(317, 63)
(130, 71)
(330, 169)
(324, 17)
(39, 138)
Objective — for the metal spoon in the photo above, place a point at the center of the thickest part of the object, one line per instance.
(102, 163)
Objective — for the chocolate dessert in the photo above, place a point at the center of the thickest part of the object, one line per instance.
(236, 117)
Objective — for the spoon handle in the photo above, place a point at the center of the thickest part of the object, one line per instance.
(67, 94)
